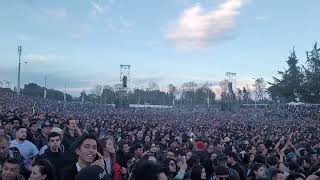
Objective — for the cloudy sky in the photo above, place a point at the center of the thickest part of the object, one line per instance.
(83, 42)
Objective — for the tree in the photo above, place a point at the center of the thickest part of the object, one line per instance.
(260, 88)
(288, 88)
(153, 86)
(246, 95)
(107, 95)
(172, 93)
(311, 91)
(97, 91)
(188, 92)
(33, 89)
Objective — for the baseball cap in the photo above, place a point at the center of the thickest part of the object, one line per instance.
(46, 124)
(57, 130)
(93, 172)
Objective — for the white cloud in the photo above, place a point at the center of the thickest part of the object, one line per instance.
(197, 28)
(42, 58)
(58, 13)
(97, 8)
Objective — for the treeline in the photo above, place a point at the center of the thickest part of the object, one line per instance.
(298, 83)
(190, 93)
(33, 89)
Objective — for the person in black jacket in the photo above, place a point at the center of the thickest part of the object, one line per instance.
(233, 159)
(72, 132)
(86, 149)
(42, 139)
(54, 153)
(122, 155)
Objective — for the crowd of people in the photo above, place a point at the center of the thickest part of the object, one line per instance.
(47, 140)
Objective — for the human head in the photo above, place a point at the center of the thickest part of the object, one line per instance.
(149, 157)
(198, 172)
(42, 170)
(210, 149)
(71, 124)
(16, 122)
(222, 159)
(170, 154)
(4, 146)
(25, 121)
(147, 139)
(272, 161)
(46, 128)
(148, 170)
(153, 148)
(124, 146)
(33, 127)
(251, 149)
(277, 175)
(221, 173)
(232, 157)
(93, 172)
(10, 169)
(21, 133)
(137, 150)
(258, 171)
(8, 125)
(107, 145)
(140, 135)
(59, 131)
(54, 141)
(86, 149)
(170, 166)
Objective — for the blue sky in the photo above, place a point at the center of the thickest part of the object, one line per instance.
(83, 42)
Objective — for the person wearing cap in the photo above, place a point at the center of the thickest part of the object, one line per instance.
(61, 146)
(32, 132)
(42, 139)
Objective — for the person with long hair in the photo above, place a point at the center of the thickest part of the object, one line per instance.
(248, 160)
(257, 171)
(198, 173)
(43, 170)
(170, 167)
(113, 169)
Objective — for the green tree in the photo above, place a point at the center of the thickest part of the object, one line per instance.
(288, 87)
(311, 91)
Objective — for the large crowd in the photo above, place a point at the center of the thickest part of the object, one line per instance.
(49, 140)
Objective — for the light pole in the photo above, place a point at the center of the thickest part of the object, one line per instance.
(19, 68)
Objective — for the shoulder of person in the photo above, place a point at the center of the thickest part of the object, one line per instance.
(69, 172)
